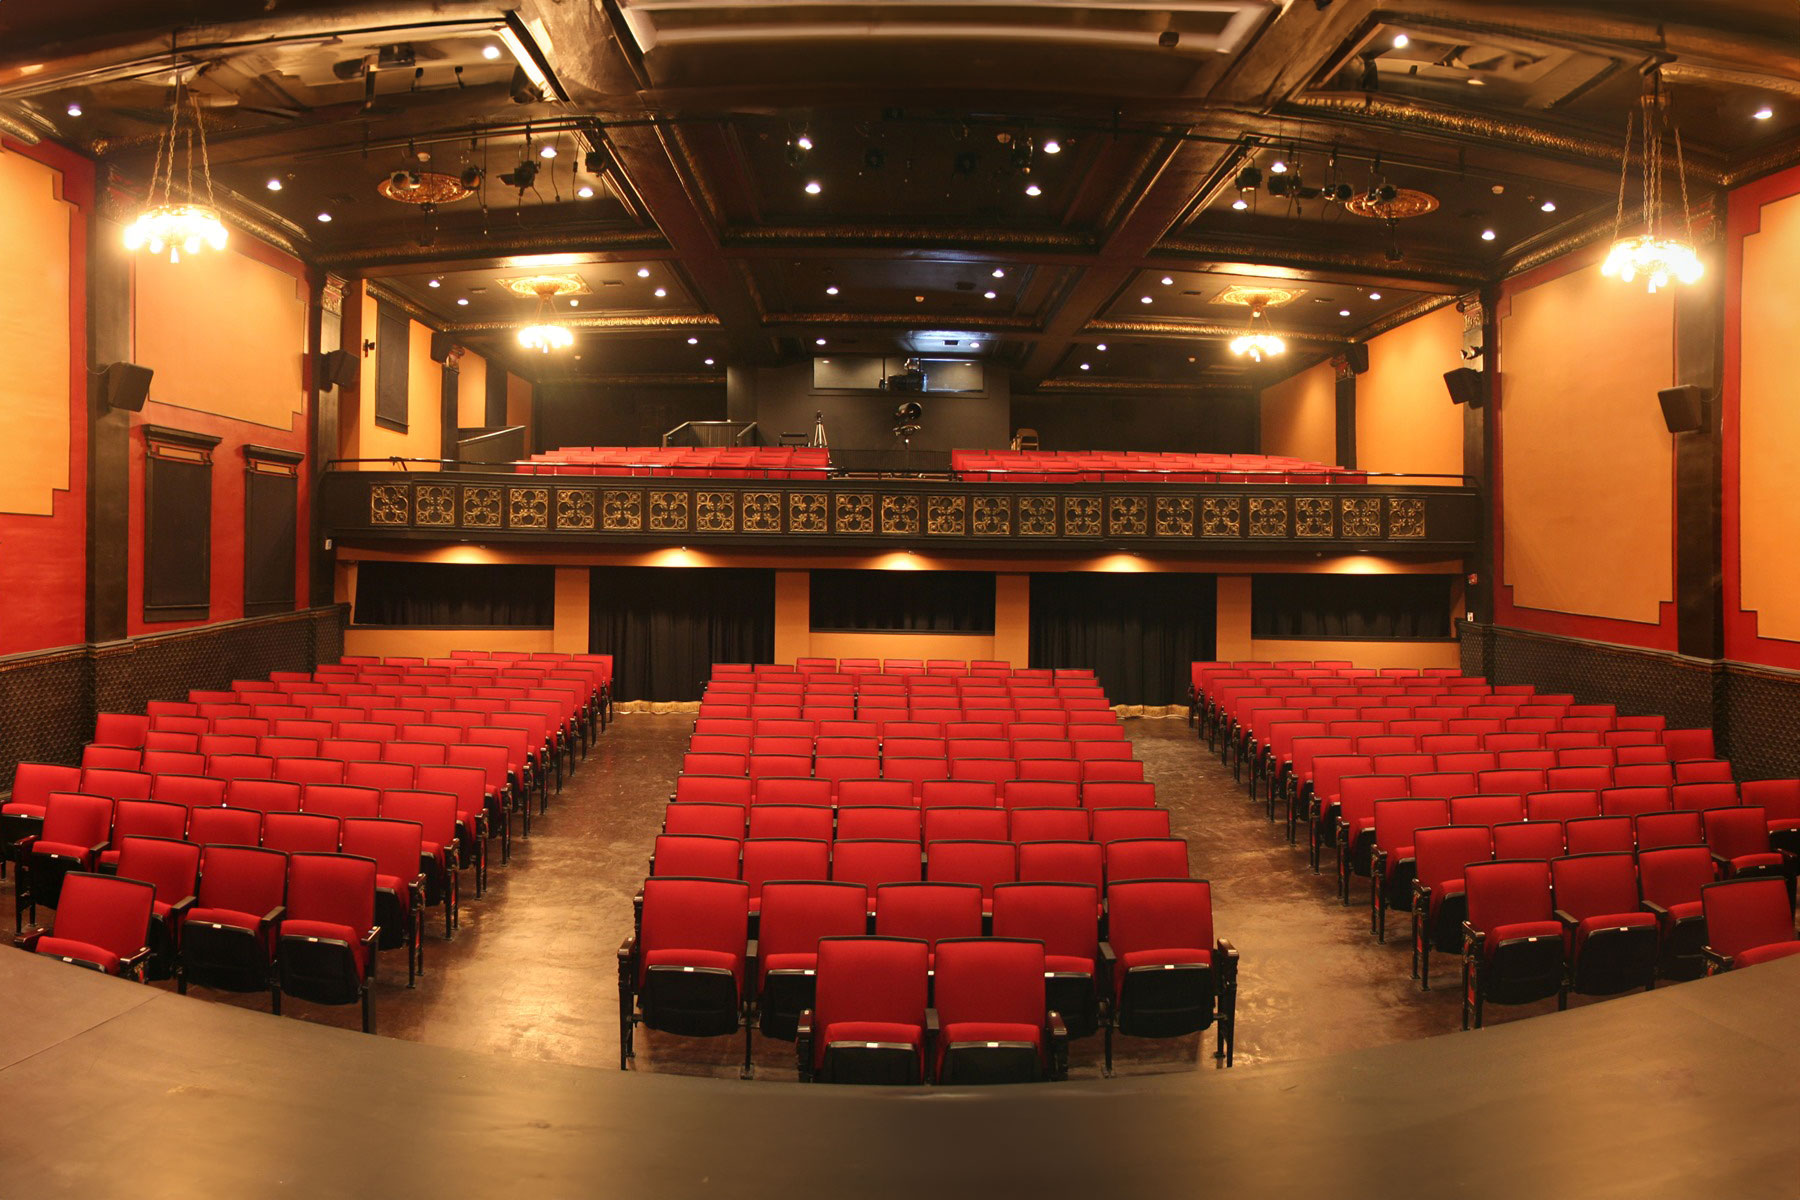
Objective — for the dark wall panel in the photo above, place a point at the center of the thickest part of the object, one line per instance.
(178, 538)
(577, 414)
(393, 336)
(271, 502)
(665, 628)
(1215, 423)
(786, 402)
(1138, 632)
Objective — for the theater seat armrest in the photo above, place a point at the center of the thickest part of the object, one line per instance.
(803, 1045)
(1056, 1037)
(275, 915)
(1421, 895)
(133, 964)
(1568, 920)
(1721, 861)
(1651, 906)
(179, 909)
(1715, 962)
(95, 850)
(23, 846)
(1472, 937)
(931, 1022)
(29, 939)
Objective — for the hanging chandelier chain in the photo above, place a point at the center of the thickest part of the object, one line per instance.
(1624, 177)
(205, 160)
(1687, 214)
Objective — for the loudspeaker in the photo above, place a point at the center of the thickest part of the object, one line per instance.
(441, 345)
(1357, 355)
(124, 386)
(1465, 386)
(1684, 408)
(337, 368)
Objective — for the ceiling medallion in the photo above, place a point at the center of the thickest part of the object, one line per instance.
(423, 187)
(1258, 295)
(1407, 202)
(532, 287)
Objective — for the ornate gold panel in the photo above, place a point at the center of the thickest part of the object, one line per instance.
(1221, 517)
(1037, 516)
(1175, 516)
(1081, 516)
(900, 515)
(1268, 516)
(947, 515)
(1128, 516)
(434, 504)
(575, 508)
(762, 512)
(856, 512)
(528, 507)
(389, 505)
(806, 512)
(1361, 516)
(669, 512)
(620, 510)
(480, 507)
(715, 512)
(993, 516)
(1406, 517)
(1312, 516)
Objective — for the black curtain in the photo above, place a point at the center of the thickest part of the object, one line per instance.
(1382, 607)
(1138, 632)
(454, 595)
(902, 601)
(666, 626)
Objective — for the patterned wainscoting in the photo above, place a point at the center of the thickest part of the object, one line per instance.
(48, 700)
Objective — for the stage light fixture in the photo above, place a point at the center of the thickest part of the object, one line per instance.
(1249, 179)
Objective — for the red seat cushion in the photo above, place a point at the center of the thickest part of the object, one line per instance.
(1523, 929)
(1636, 920)
(787, 962)
(1450, 887)
(1747, 958)
(1174, 956)
(1740, 864)
(325, 929)
(1068, 964)
(712, 959)
(68, 849)
(110, 858)
(977, 1032)
(874, 1031)
(1684, 910)
(230, 916)
(399, 887)
(20, 808)
(57, 947)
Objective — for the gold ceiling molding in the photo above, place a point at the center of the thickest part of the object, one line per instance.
(602, 380)
(910, 320)
(18, 127)
(1304, 257)
(1403, 314)
(1479, 126)
(1598, 229)
(620, 322)
(1191, 329)
(443, 253)
(995, 238)
(561, 283)
(378, 291)
(1124, 385)
(1778, 159)
(689, 166)
(1247, 295)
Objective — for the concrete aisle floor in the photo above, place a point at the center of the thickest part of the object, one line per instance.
(531, 971)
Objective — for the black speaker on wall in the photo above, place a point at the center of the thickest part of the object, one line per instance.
(1357, 355)
(337, 368)
(1683, 408)
(441, 345)
(1465, 386)
(124, 386)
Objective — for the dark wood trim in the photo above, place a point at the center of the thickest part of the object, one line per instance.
(1699, 473)
(169, 436)
(272, 454)
(449, 389)
(1480, 425)
(1345, 414)
(108, 278)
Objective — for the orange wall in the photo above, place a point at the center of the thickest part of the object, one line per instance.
(34, 319)
(438, 643)
(1586, 464)
(1769, 424)
(471, 391)
(361, 436)
(1404, 418)
(1299, 416)
(1234, 642)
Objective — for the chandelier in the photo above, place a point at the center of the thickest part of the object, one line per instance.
(1258, 344)
(187, 224)
(1655, 254)
(545, 333)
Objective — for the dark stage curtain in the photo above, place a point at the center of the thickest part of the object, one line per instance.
(1138, 632)
(666, 627)
(903, 601)
(455, 595)
(1382, 607)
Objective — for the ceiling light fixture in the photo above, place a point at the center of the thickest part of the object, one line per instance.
(1143, 299)
(490, 52)
(433, 283)
(1343, 312)
(1278, 167)
(189, 224)
(989, 295)
(693, 341)
(1474, 82)
(1761, 114)
(1488, 235)
(463, 300)
(1167, 280)
(1052, 146)
(1257, 343)
(832, 290)
(545, 334)
(818, 341)
(547, 152)
(1248, 179)
(74, 110)
(804, 141)
(1548, 206)
(1655, 254)
(999, 274)
(1084, 366)
(1401, 41)
(585, 192)
(1032, 189)
(1374, 295)
(813, 188)
(709, 362)
(1100, 346)
(274, 185)
(1240, 204)
(324, 219)
(661, 292)
(643, 272)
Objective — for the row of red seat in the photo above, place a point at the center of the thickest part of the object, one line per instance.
(1095, 466)
(908, 823)
(712, 462)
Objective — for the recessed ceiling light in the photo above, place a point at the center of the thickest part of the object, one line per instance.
(1548, 206)
(1343, 312)
(1052, 146)
(693, 341)
(643, 272)
(709, 362)
(490, 52)
(1474, 82)
(574, 304)
(804, 142)
(1143, 299)
(274, 185)
(974, 345)
(661, 292)
(1240, 204)
(1374, 295)
(325, 217)
(989, 295)
(1167, 280)
(999, 273)
(1032, 189)
(1401, 41)
(547, 152)
(1100, 346)
(1084, 366)
(585, 192)
(74, 110)
(1761, 114)
(918, 299)
(1487, 235)
(463, 300)
(433, 283)
(813, 188)
(832, 290)
(818, 341)
(1278, 167)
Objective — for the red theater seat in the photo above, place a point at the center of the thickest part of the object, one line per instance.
(868, 1023)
